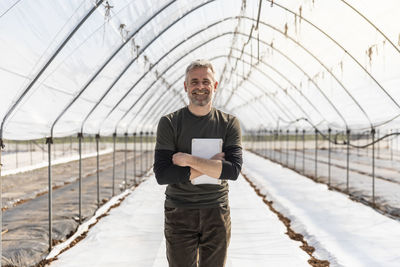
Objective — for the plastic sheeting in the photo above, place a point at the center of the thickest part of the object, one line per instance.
(117, 66)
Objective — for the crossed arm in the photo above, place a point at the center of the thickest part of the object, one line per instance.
(198, 166)
(176, 167)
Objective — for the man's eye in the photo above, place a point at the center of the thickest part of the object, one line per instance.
(206, 83)
(193, 83)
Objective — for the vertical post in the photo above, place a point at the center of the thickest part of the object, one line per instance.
(348, 160)
(295, 148)
(147, 156)
(98, 169)
(141, 155)
(274, 141)
(126, 159)
(134, 157)
(378, 144)
(113, 176)
(373, 166)
(316, 154)
(287, 147)
(49, 141)
(54, 149)
(80, 136)
(304, 150)
(1, 201)
(329, 157)
(280, 146)
(152, 147)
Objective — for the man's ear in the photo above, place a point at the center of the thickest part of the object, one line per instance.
(184, 86)
(215, 86)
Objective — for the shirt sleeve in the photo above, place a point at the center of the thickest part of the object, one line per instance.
(165, 135)
(232, 164)
(234, 133)
(166, 172)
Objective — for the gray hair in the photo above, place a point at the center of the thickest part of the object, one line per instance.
(199, 63)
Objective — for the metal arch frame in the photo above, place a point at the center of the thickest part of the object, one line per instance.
(309, 79)
(274, 100)
(313, 56)
(290, 82)
(372, 24)
(341, 47)
(285, 57)
(168, 68)
(105, 63)
(319, 61)
(155, 102)
(47, 64)
(132, 61)
(274, 82)
(100, 1)
(208, 27)
(165, 107)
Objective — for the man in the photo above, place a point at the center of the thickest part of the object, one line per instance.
(197, 217)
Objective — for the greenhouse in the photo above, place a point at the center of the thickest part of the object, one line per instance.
(314, 85)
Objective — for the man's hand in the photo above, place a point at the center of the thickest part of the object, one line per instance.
(219, 156)
(181, 159)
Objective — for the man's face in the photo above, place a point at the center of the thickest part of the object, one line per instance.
(200, 86)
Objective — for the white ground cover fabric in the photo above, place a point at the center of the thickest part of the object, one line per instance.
(345, 232)
(132, 235)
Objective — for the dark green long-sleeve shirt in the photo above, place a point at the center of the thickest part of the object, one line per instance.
(174, 134)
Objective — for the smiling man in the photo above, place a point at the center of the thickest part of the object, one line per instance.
(197, 216)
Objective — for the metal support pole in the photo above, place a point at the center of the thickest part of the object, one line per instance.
(1, 202)
(287, 148)
(147, 156)
(348, 160)
(141, 155)
(316, 154)
(49, 141)
(80, 136)
(378, 144)
(304, 150)
(126, 159)
(329, 157)
(98, 169)
(274, 141)
(295, 148)
(373, 166)
(152, 148)
(134, 157)
(113, 176)
(280, 146)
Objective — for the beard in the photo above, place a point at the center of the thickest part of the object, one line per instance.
(202, 99)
